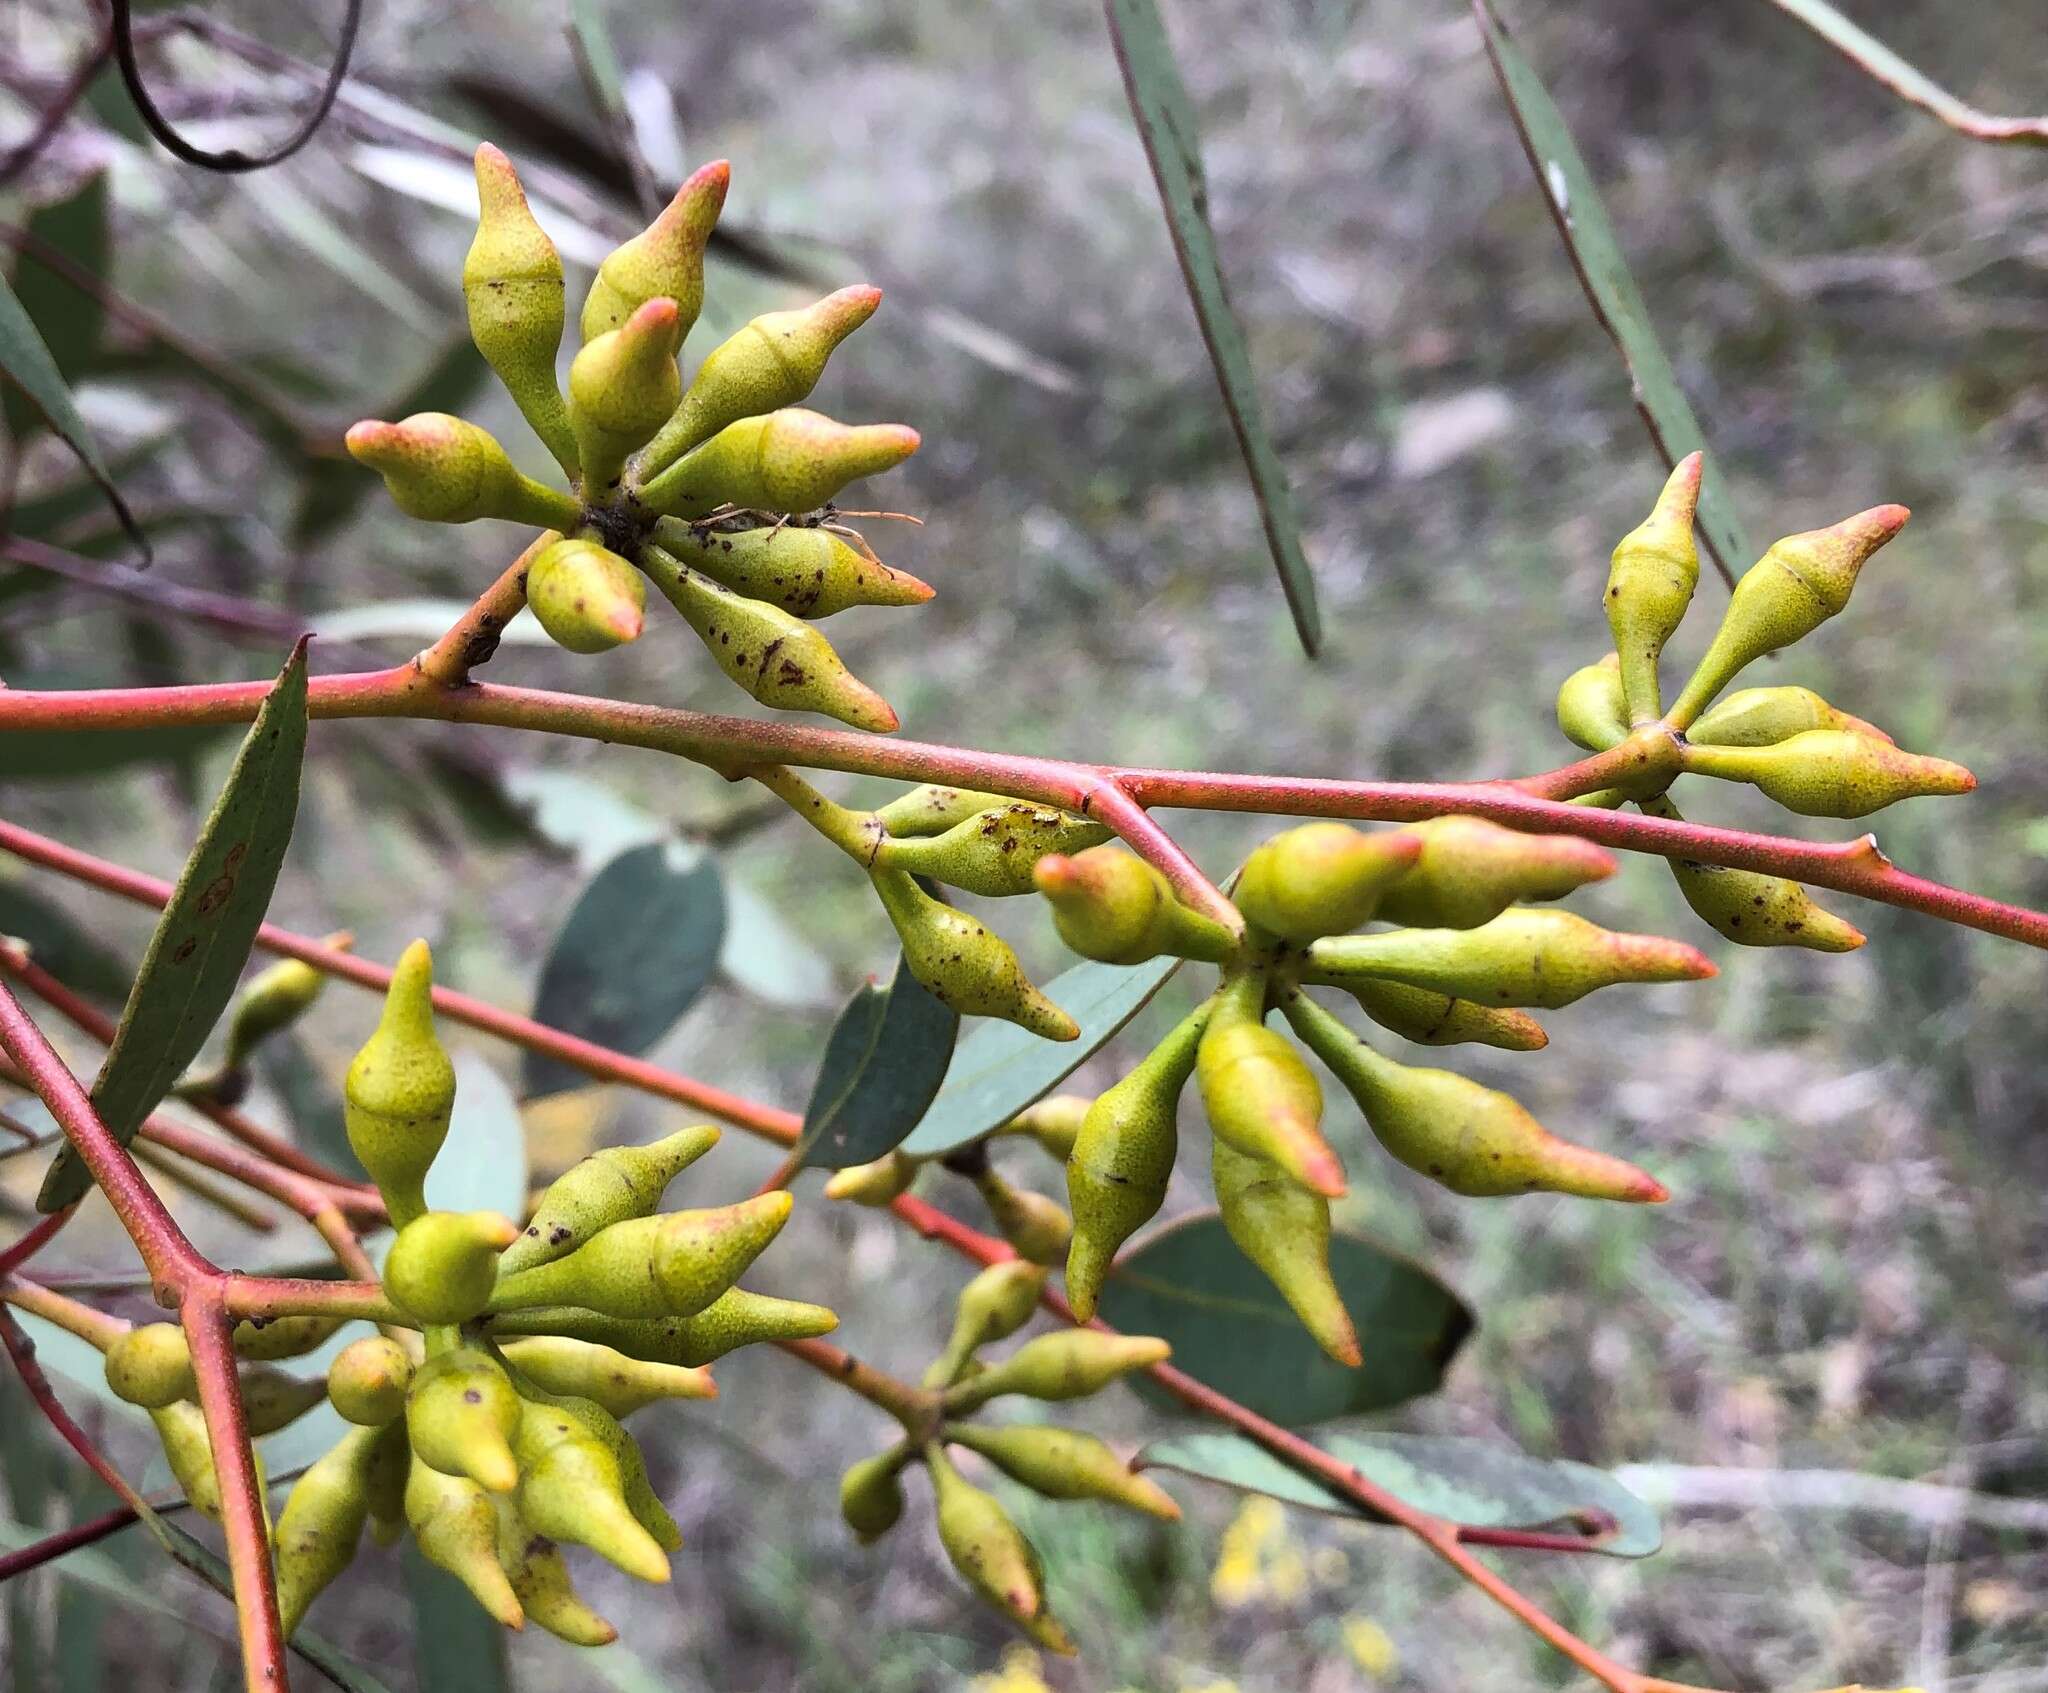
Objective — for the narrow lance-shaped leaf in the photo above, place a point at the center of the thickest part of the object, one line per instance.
(1595, 250)
(457, 1648)
(69, 319)
(202, 941)
(1165, 118)
(883, 1064)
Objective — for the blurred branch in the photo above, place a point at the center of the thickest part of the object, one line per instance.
(1929, 1504)
(51, 118)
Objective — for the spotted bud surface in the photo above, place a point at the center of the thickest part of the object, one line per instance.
(634, 1486)
(512, 284)
(271, 1338)
(1831, 773)
(887, 1179)
(1110, 905)
(1469, 871)
(1526, 957)
(1061, 1464)
(961, 963)
(322, 1523)
(456, 1525)
(275, 1399)
(933, 809)
(993, 1306)
(1756, 910)
(1761, 717)
(1799, 583)
(1285, 1230)
(993, 853)
(540, 1580)
(570, 1489)
(586, 597)
(461, 1414)
(779, 659)
(807, 570)
(1472, 1139)
(1591, 709)
(400, 1090)
(1069, 1365)
(770, 363)
(181, 1427)
(584, 1370)
(1649, 585)
(610, 1186)
(673, 1265)
(1122, 1161)
(991, 1553)
(622, 387)
(789, 461)
(151, 1366)
(735, 1318)
(369, 1379)
(871, 1495)
(1259, 1095)
(1321, 878)
(1036, 1227)
(444, 470)
(443, 1266)
(1436, 1019)
(275, 999)
(666, 259)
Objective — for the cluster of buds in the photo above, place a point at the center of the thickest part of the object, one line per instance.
(719, 493)
(488, 1409)
(984, 1544)
(1784, 740)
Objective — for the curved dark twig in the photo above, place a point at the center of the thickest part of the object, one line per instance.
(231, 160)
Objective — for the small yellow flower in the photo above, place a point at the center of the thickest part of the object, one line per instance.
(1370, 1648)
(1022, 1671)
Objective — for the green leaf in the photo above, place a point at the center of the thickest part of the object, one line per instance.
(637, 949)
(70, 319)
(195, 958)
(883, 1064)
(1477, 1483)
(1230, 1329)
(1165, 117)
(999, 1068)
(768, 957)
(456, 1648)
(1567, 187)
(482, 1165)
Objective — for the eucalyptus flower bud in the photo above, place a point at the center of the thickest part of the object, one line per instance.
(461, 1414)
(1436, 1019)
(1112, 906)
(456, 1525)
(622, 387)
(275, 1399)
(1321, 878)
(1655, 569)
(789, 461)
(871, 1494)
(1062, 1464)
(1036, 1227)
(933, 809)
(444, 470)
(1756, 910)
(1054, 1122)
(369, 1379)
(610, 1186)
(1285, 1230)
(807, 570)
(1590, 707)
(585, 596)
(881, 1183)
(621, 1384)
(961, 963)
(1072, 1364)
(1761, 717)
(275, 999)
(540, 1580)
(322, 1523)
(993, 1306)
(666, 259)
(151, 1366)
(988, 1549)
(512, 283)
(734, 1319)
(1830, 773)
(271, 1338)
(400, 1090)
(1470, 871)
(570, 1489)
(993, 852)
(181, 1427)
(1259, 1095)
(444, 1265)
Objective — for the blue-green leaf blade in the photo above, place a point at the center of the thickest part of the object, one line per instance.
(884, 1062)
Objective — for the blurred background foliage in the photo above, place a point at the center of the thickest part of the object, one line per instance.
(1853, 1275)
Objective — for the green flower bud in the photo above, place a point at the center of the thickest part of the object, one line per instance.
(275, 1399)
(321, 1524)
(1655, 570)
(1761, 717)
(1799, 583)
(772, 362)
(621, 1384)
(271, 1338)
(1123, 1158)
(993, 1306)
(664, 259)
(779, 659)
(1470, 871)
(993, 852)
(1590, 707)
(1472, 1139)
(1321, 878)
(570, 1489)
(586, 597)
(634, 1487)
(181, 1427)
(962, 963)
(1435, 1019)
(540, 1580)
(613, 1185)
(1259, 1095)
(1035, 1227)
(400, 1090)
(1072, 1364)
(789, 461)
(933, 809)
(1544, 959)
(1112, 906)
(444, 1265)
(673, 1265)
(1285, 1230)
(884, 1181)
(622, 388)
(151, 1366)
(461, 1415)
(369, 1379)
(734, 1319)
(444, 470)
(992, 1554)
(804, 569)
(512, 283)
(390, 1467)
(1061, 1464)
(1830, 773)
(1054, 1123)
(1755, 910)
(456, 1525)
(275, 999)
(871, 1494)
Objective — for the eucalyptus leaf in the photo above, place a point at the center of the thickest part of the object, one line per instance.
(482, 1164)
(71, 321)
(883, 1064)
(456, 1647)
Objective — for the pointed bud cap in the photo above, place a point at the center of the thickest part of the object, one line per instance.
(586, 597)
(665, 258)
(1321, 878)
(442, 1266)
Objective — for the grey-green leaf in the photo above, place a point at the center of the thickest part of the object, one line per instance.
(1191, 1286)
(69, 319)
(883, 1064)
(202, 941)
(1165, 118)
(456, 1647)
(1477, 1483)
(639, 946)
(999, 1068)
(1582, 221)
